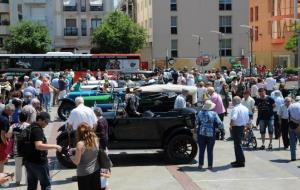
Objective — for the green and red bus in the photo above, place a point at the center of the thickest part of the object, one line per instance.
(79, 63)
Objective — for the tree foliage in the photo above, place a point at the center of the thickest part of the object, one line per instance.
(291, 44)
(28, 37)
(118, 34)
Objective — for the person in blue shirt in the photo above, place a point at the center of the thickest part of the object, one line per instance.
(207, 120)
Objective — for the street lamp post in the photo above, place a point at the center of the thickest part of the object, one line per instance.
(220, 35)
(199, 38)
(298, 34)
(251, 31)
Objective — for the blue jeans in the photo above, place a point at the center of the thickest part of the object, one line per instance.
(237, 135)
(46, 101)
(293, 143)
(38, 172)
(209, 143)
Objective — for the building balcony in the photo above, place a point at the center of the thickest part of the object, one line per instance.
(4, 22)
(4, 7)
(96, 8)
(278, 41)
(71, 31)
(70, 8)
(4, 30)
(35, 1)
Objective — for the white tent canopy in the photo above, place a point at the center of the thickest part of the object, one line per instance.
(69, 2)
(96, 2)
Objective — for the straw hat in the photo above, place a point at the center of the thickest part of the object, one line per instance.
(208, 105)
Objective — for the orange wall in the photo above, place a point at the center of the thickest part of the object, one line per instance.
(266, 47)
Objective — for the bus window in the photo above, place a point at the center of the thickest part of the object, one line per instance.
(84, 64)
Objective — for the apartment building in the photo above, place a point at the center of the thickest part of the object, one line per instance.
(175, 29)
(273, 25)
(75, 21)
(129, 8)
(70, 22)
(4, 22)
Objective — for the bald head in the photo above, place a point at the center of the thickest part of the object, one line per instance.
(236, 100)
(79, 100)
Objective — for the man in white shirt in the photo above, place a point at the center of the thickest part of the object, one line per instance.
(190, 79)
(239, 117)
(81, 114)
(248, 102)
(180, 101)
(284, 117)
(270, 83)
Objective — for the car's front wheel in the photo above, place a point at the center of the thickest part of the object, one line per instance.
(64, 110)
(63, 157)
(181, 149)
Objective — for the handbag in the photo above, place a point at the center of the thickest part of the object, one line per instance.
(103, 160)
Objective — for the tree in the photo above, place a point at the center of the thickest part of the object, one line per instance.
(28, 37)
(118, 34)
(291, 44)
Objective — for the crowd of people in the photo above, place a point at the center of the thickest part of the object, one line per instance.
(277, 109)
(219, 94)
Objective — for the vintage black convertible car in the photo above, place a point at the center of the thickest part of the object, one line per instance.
(171, 131)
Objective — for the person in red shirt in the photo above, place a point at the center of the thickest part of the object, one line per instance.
(45, 90)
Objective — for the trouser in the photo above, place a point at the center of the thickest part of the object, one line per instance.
(46, 101)
(55, 97)
(209, 143)
(19, 169)
(62, 94)
(237, 135)
(276, 125)
(293, 143)
(35, 173)
(221, 116)
(285, 133)
(89, 182)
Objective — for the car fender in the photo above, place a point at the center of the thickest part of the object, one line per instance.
(64, 135)
(69, 100)
(174, 131)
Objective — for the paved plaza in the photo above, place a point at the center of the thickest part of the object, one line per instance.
(147, 170)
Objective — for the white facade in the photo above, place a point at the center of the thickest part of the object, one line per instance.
(192, 18)
(70, 22)
(75, 22)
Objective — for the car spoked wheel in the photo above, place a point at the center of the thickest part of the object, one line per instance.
(64, 110)
(63, 157)
(181, 149)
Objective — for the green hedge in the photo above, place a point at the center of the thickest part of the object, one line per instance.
(291, 71)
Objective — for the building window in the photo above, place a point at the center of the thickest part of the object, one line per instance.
(71, 28)
(225, 5)
(150, 2)
(69, 5)
(4, 19)
(256, 33)
(173, 5)
(256, 13)
(83, 5)
(225, 25)
(225, 47)
(95, 22)
(174, 48)
(83, 27)
(173, 24)
(96, 5)
(251, 14)
(1, 42)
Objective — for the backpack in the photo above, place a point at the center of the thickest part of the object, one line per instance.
(24, 144)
